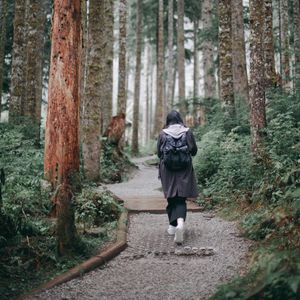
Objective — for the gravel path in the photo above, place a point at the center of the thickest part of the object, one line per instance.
(153, 267)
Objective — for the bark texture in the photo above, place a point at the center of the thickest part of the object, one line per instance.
(284, 37)
(225, 56)
(268, 40)
(181, 56)
(296, 22)
(207, 49)
(122, 57)
(240, 77)
(257, 93)
(61, 161)
(196, 106)
(3, 16)
(159, 109)
(169, 99)
(34, 62)
(18, 67)
(137, 81)
(91, 121)
(107, 75)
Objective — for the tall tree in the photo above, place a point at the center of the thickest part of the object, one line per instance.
(61, 162)
(159, 113)
(122, 57)
(18, 68)
(137, 81)
(181, 56)
(240, 78)
(107, 74)
(207, 50)
(3, 16)
(256, 93)
(296, 22)
(170, 83)
(225, 57)
(268, 43)
(196, 60)
(91, 121)
(34, 62)
(284, 38)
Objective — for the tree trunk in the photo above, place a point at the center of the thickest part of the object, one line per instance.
(148, 91)
(196, 73)
(108, 45)
(122, 58)
(159, 114)
(181, 56)
(3, 24)
(284, 37)
(268, 43)
(61, 164)
(296, 22)
(34, 63)
(18, 67)
(240, 78)
(137, 81)
(207, 50)
(169, 99)
(225, 56)
(257, 93)
(91, 129)
(83, 66)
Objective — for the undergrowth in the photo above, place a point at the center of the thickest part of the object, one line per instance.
(28, 249)
(265, 191)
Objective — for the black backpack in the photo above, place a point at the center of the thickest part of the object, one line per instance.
(176, 155)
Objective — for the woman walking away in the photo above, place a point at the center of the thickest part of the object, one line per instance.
(176, 144)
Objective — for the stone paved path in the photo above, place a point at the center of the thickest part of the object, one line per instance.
(153, 267)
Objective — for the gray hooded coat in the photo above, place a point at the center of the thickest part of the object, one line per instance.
(177, 183)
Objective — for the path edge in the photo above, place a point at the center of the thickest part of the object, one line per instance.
(90, 264)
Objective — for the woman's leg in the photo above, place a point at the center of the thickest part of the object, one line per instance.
(171, 211)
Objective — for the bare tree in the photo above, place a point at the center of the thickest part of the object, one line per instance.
(159, 113)
(257, 93)
(296, 22)
(225, 57)
(240, 78)
(137, 81)
(91, 129)
(61, 161)
(181, 56)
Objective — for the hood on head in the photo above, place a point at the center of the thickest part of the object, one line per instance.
(176, 130)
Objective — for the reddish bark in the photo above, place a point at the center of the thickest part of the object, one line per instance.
(62, 140)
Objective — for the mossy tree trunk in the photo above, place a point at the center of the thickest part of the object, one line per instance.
(137, 80)
(225, 57)
(181, 56)
(107, 75)
(61, 160)
(122, 57)
(169, 99)
(18, 67)
(240, 78)
(34, 63)
(284, 38)
(159, 109)
(91, 121)
(268, 40)
(196, 106)
(296, 23)
(3, 16)
(257, 92)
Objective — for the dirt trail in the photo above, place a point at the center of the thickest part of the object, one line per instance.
(153, 267)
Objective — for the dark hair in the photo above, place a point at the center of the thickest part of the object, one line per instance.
(174, 117)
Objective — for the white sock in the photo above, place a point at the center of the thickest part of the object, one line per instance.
(180, 222)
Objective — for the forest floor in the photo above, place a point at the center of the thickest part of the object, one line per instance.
(152, 266)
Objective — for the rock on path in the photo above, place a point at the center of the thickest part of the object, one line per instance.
(150, 268)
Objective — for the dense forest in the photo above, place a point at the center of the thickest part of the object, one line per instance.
(85, 85)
